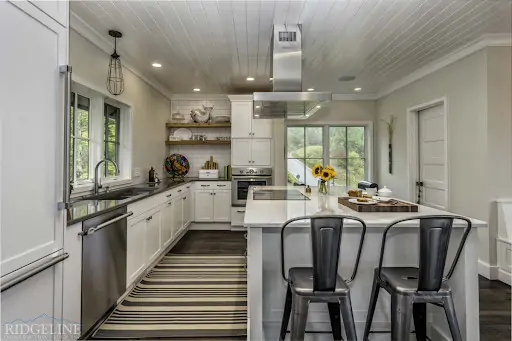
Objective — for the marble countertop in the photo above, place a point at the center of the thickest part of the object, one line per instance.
(274, 213)
(81, 210)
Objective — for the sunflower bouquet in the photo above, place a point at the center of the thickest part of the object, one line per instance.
(325, 174)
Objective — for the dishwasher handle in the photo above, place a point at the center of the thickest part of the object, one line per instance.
(91, 230)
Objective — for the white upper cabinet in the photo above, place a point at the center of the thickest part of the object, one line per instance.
(243, 125)
(261, 128)
(241, 118)
(58, 10)
(31, 182)
(241, 152)
(261, 152)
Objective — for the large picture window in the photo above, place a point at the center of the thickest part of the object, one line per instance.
(112, 122)
(80, 140)
(343, 147)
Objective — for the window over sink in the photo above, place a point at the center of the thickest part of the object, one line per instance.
(100, 128)
(344, 147)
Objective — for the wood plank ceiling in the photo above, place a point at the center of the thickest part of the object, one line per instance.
(215, 45)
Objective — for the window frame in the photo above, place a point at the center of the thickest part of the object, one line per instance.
(75, 93)
(98, 99)
(107, 140)
(368, 146)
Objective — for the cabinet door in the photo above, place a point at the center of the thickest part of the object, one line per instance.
(204, 206)
(32, 226)
(153, 224)
(167, 224)
(135, 249)
(187, 210)
(222, 205)
(261, 152)
(241, 152)
(261, 128)
(241, 118)
(178, 214)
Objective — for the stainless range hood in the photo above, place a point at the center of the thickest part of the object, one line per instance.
(287, 100)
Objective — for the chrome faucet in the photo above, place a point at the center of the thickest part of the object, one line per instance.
(97, 184)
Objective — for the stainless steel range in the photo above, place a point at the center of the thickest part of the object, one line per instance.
(243, 178)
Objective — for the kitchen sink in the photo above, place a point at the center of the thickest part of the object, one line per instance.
(119, 195)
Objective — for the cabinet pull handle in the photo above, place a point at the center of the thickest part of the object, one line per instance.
(240, 211)
(169, 203)
(149, 218)
(184, 198)
(221, 185)
(179, 190)
(168, 195)
(205, 185)
(214, 193)
(66, 70)
(91, 230)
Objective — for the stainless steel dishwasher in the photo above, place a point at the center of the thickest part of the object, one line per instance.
(103, 265)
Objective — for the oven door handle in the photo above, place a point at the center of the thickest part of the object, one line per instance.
(251, 179)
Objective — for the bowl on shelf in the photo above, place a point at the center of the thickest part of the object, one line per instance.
(221, 119)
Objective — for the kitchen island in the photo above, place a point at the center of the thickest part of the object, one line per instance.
(267, 290)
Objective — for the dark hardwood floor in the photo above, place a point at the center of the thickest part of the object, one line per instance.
(495, 316)
(494, 311)
(211, 242)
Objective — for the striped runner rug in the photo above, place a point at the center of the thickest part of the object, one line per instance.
(184, 297)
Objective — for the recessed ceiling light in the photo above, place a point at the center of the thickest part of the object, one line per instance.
(346, 78)
(358, 89)
(318, 107)
(156, 65)
(197, 89)
(250, 79)
(311, 89)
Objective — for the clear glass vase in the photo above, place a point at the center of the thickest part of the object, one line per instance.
(322, 187)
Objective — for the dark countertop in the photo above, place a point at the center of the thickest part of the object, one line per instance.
(85, 209)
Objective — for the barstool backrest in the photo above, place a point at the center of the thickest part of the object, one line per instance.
(326, 233)
(434, 239)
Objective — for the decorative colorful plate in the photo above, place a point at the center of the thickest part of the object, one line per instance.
(177, 165)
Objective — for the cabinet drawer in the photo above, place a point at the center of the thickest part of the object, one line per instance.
(237, 216)
(199, 185)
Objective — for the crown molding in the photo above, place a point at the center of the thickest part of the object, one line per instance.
(354, 97)
(483, 42)
(100, 41)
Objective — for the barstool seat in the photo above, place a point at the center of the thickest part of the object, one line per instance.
(405, 280)
(301, 280)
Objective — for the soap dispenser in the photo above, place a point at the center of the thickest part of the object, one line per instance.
(151, 175)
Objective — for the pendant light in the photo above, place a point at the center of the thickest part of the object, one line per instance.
(115, 81)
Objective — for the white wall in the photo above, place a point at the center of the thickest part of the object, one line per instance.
(478, 94)
(150, 109)
(335, 112)
(198, 155)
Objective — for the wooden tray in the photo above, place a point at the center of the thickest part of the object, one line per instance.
(379, 207)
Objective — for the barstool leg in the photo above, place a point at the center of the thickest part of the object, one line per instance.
(401, 315)
(334, 315)
(371, 309)
(451, 316)
(419, 311)
(300, 306)
(348, 318)
(286, 313)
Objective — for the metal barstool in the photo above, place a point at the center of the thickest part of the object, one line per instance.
(321, 282)
(412, 288)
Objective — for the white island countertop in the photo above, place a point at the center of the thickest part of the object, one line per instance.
(274, 213)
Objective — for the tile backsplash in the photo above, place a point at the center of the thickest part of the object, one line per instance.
(197, 155)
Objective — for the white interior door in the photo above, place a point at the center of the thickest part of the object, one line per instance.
(31, 96)
(432, 157)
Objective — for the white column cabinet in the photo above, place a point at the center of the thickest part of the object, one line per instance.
(204, 205)
(222, 205)
(26, 238)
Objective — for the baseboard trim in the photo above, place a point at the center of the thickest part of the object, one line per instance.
(505, 277)
(488, 271)
(211, 226)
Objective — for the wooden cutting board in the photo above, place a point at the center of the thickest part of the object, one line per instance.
(401, 206)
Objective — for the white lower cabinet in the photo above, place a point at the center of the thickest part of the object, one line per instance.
(222, 205)
(204, 206)
(167, 227)
(152, 237)
(135, 247)
(177, 206)
(187, 210)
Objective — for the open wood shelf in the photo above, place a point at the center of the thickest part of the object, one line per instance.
(196, 142)
(199, 125)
